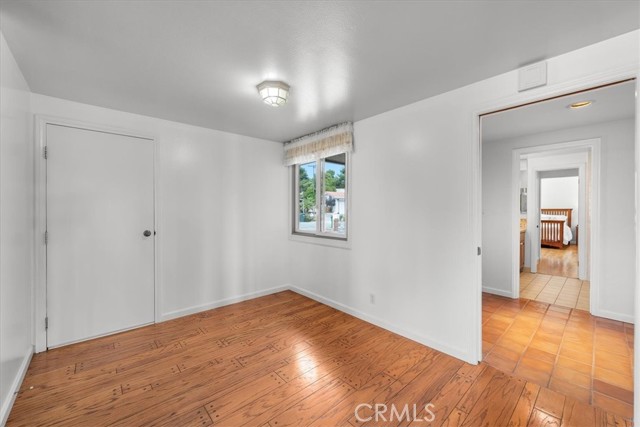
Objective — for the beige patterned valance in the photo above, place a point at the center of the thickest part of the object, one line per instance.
(327, 142)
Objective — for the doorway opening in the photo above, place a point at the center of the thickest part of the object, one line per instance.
(559, 194)
(559, 252)
(557, 328)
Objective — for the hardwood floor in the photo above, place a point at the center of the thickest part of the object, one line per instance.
(275, 361)
(559, 262)
(587, 358)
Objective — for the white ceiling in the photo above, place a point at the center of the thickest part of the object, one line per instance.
(198, 62)
(610, 103)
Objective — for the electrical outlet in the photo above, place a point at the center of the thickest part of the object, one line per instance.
(372, 298)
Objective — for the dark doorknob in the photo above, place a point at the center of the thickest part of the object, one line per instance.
(147, 233)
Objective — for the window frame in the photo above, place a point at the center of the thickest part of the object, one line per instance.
(320, 203)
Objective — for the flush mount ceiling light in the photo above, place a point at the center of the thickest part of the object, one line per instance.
(274, 93)
(580, 104)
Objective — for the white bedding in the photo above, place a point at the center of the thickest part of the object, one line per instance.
(567, 230)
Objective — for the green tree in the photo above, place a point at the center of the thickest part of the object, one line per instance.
(330, 180)
(340, 179)
(307, 191)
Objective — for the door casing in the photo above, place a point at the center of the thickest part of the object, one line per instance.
(581, 155)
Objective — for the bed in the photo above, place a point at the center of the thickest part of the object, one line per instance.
(555, 227)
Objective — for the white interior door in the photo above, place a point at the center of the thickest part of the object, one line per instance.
(100, 263)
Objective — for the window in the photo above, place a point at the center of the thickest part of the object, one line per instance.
(320, 195)
(320, 163)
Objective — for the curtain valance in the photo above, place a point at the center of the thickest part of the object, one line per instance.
(327, 142)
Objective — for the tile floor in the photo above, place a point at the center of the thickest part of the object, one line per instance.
(568, 350)
(558, 290)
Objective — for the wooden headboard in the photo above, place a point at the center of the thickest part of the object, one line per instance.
(556, 211)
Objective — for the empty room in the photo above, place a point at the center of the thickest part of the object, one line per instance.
(327, 213)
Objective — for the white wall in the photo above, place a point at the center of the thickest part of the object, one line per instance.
(421, 260)
(617, 210)
(562, 193)
(16, 227)
(220, 208)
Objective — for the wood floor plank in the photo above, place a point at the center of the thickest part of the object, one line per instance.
(445, 402)
(410, 359)
(542, 419)
(455, 418)
(408, 392)
(417, 395)
(313, 407)
(471, 371)
(471, 397)
(339, 414)
(195, 418)
(525, 405)
(282, 359)
(497, 402)
(550, 402)
(373, 361)
(267, 407)
(577, 414)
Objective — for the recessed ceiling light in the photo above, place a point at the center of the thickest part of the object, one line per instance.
(580, 104)
(274, 93)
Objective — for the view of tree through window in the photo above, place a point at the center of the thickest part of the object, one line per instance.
(307, 197)
(326, 214)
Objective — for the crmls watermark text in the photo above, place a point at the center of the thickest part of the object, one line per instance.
(366, 412)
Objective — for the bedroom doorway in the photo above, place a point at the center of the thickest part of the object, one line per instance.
(525, 147)
(560, 198)
(559, 257)
(545, 341)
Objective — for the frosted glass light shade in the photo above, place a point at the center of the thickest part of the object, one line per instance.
(274, 93)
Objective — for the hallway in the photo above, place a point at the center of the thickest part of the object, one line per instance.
(558, 290)
(556, 281)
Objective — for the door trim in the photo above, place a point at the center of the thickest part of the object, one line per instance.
(40, 216)
(588, 147)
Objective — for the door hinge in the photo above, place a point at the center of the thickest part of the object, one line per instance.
(45, 152)
(46, 323)
(46, 237)
(479, 251)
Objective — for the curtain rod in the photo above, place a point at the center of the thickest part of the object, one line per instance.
(320, 132)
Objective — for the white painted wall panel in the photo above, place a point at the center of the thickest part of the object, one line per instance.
(16, 225)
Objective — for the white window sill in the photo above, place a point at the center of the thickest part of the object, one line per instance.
(321, 241)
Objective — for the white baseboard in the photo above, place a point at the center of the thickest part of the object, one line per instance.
(15, 386)
(220, 303)
(495, 291)
(614, 316)
(455, 352)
